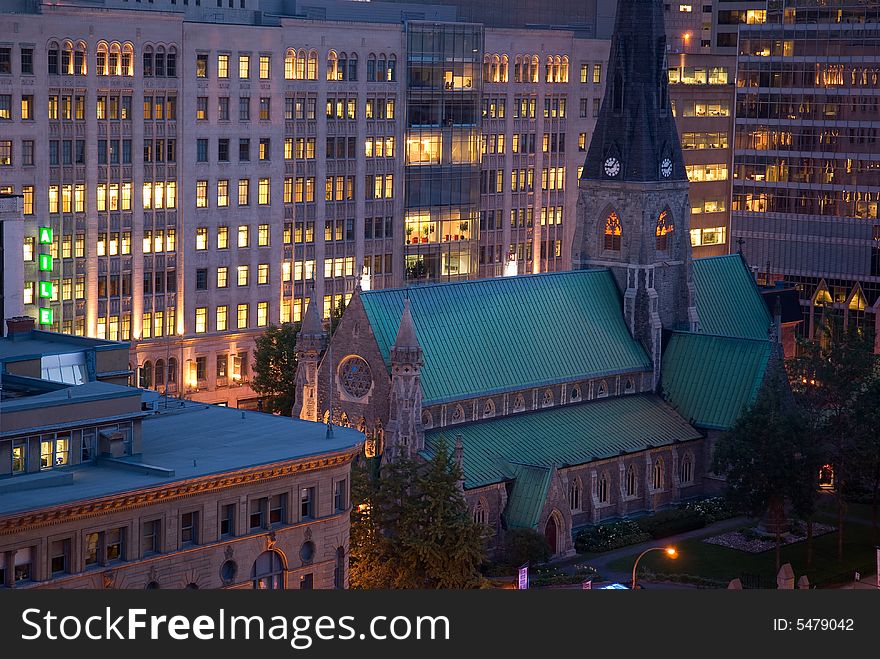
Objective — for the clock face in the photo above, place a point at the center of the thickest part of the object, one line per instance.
(666, 167)
(612, 166)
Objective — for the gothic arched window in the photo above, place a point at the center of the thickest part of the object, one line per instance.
(603, 390)
(631, 481)
(664, 228)
(268, 571)
(612, 232)
(658, 474)
(574, 495)
(686, 469)
(575, 394)
(480, 514)
(602, 488)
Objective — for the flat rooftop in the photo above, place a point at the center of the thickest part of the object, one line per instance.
(185, 441)
(37, 343)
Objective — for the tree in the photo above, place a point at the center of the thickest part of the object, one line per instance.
(336, 316)
(411, 527)
(827, 377)
(766, 457)
(866, 433)
(275, 368)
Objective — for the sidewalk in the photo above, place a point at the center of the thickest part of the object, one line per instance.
(601, 561)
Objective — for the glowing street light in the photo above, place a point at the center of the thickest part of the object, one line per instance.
(671, 552)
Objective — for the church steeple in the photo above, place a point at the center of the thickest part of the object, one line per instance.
(311, 341)
(633, 208)
(635, 137)
(405, 436)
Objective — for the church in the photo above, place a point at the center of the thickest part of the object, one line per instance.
(573, 397)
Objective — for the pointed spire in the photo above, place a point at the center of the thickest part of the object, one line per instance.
(635, 137)
(406, 333)
(312, 321)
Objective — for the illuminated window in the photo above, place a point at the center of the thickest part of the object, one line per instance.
(612, 232)
(242, 275)
(264, 67)
(222, 237)
(201, 194)
(222, 276)
(221, 318)
(263, 235)
(244, 67)
(242, 313)
(244, 192)
(222, 192)
(262, 314)
(263, 192)
(664, 228)
(201, 238)
(262, 273)
(201, 320)
(223, 66)
(243, 235)
(686, 9)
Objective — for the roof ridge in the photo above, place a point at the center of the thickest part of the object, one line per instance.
(722, 336)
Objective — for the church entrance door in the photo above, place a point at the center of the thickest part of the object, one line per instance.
(550, 533)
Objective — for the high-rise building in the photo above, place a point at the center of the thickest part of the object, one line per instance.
(806, 173)
(11, 271)
(206, 171)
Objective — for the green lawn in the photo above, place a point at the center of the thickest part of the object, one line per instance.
(698, 558)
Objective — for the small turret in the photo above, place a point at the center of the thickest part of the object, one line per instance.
(405, 435)
(310, 345)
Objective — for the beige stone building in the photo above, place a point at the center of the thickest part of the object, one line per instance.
(107, 486)
(206, 171)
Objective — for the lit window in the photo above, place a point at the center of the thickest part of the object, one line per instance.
(264, 67)
(263, 273)
(223, 66)
(242, 275)
(201, 238)
(612, 232)
(262, 314)
(243, 235)
(201, 194)
(263, 192)
(221, 318)
(263, 235)
(222, 276)
(244, 67)
(242, 316)
(222, 237)
(201, 320)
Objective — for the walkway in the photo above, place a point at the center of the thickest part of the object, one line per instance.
(601, 561)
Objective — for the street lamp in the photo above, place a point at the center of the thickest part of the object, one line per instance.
(671, 552)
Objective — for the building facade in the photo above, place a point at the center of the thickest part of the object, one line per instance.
(107, 486)
(806, 182)
(11, 266)
(212, 170)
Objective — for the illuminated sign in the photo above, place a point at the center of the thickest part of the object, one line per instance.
(45, 235)
(45, 263)
(46, 290)
(45, 316)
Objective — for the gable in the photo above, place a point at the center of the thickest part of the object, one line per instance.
(527, 496)
(727, 298)
(495, 335)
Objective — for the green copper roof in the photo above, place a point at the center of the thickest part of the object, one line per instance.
(495, 335)
(527, 496)
(710, 380)
(728, 301)
(561, 436)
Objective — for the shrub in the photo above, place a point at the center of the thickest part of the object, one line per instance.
(712, 509)
(670, 522)
(605, 537)
(525, 546)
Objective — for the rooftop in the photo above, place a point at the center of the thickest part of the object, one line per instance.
(181, 443)
(563, 436)
(38, 343)
(728, 301)
(493, 335)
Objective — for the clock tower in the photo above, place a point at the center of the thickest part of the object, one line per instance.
(633, 208)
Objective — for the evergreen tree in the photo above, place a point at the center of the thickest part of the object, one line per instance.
(866, 432)
(275, 368)
(411, 527)
(828, 376)
(766, 457)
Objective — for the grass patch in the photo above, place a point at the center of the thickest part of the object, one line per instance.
(721, 564)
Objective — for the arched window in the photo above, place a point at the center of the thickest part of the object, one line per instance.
(159, 62)
(602, 488)
(67, 59)
(547, 400)
(488, 408)
(575, 394)
(148, 61)
(487, 69)
(146, 375)
(574, 494)
(80, 66)
(341, 66)
(172, 373)
(160, 373)
(548, 75)
(289, 64)
(427, 420)
(268, 571)
(481, 512)
(534, 72)
(114, 63)
(127, 60)
(457, 414)
(664, 228)
(52, 54)
(101, 59)
(563, 73)
(171, 63)
(658, 474)
(629, 387)
(519, 403)
(631, 481)
(312, 70)
(505, 61)
(391, 73)
(352, 73)
(331, 65)
(686, 469)
(153, 585)
(602, 392)
(517, 68)
(612, 232)
(300, 73)
(339, 569)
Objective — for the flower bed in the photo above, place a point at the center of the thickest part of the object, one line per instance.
(749, 541)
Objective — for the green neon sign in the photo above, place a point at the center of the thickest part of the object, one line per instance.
(45, 316)
(45, 235)
(46, 290)
(45, 263)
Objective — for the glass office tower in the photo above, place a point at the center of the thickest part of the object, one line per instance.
(806, 162)
(442, 167)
